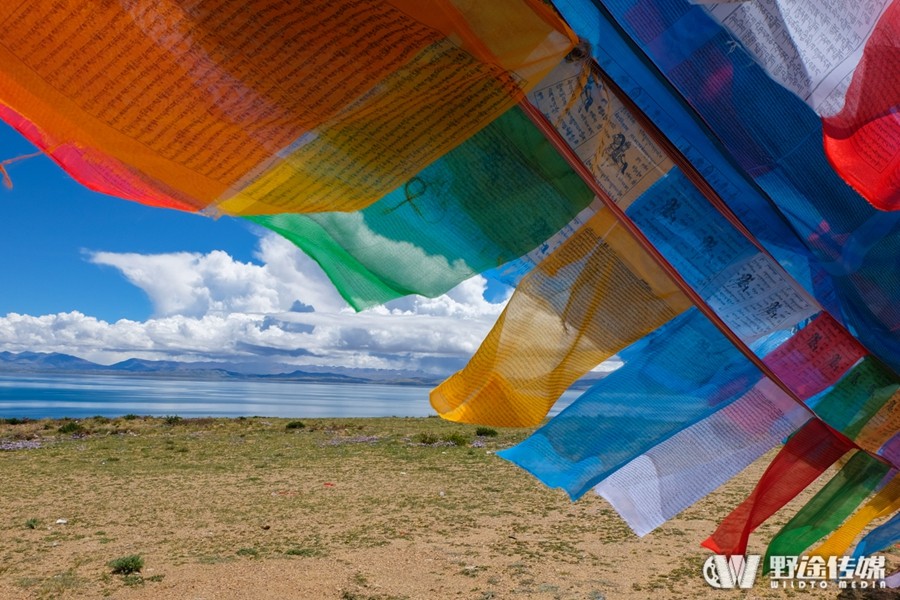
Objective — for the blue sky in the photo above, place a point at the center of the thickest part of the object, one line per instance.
(51, 222)
(107, 279)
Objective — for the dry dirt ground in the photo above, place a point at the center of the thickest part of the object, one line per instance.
(345, 509)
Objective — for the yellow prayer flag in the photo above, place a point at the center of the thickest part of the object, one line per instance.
(597, 293)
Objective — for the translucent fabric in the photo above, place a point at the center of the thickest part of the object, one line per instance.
(829, 507)
(588, 440)
(835, 56)
(860, 139)
(885, 503)
(600, 130)
(661, 389)
(756, 144)
(810, 360)
(504, 199)
(692, 235)
(803, 458)
(395, 123)
(492, 199)
(856, 398)
(617, 57)
(815, 357)
(597, 293)
(891, 450)
(265, 106)
(880, 538)
(697, 460)
(748, 290)
(657, 485)
(879, 431)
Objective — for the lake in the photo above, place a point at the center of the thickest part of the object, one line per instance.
(55, 396)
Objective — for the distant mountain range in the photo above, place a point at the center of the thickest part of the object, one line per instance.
(53, 362)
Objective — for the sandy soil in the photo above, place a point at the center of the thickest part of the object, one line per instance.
(348, 509)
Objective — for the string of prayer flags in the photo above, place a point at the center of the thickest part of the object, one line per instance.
(625, 165)
(768, 166)
(857, 397)
(759, 147)
(668, 478)
(885, 503)
(829, 507)
(265, 107)
(489, 201)
(661, 389)
(803, 458)
(879, 538)
(833, 57)
(597, 293)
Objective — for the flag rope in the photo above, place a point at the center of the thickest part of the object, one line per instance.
(712, 196)
(556, 139)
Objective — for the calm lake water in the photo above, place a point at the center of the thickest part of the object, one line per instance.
(53, 396)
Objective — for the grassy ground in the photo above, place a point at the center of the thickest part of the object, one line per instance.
(350, 509)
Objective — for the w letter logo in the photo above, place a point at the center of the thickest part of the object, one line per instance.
(724, 573)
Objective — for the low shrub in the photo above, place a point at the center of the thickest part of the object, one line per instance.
(425, 438)
(126, 565)
(70, 427)
(456, 438)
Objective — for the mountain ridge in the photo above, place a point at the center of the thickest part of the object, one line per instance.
(58, 363)
(55, 362)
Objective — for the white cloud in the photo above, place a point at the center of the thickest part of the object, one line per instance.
(464, 301)
(212, 307)
(296, 276)
(191, 284)
(412, 266)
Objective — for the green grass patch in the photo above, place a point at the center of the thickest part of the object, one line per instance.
(126, 565)
(70, 427)
(308, 552)
(426, 438)
(456, 438)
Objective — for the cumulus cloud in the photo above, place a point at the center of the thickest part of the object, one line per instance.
(213, 307)
(412, 266)
(194, 285)
(465, 301)
(295, 276)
